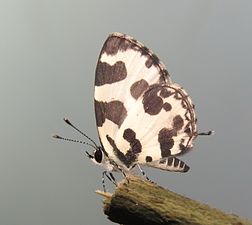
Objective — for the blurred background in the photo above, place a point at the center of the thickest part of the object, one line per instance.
(48, 54)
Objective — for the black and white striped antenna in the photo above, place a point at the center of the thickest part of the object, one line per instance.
(94, 145)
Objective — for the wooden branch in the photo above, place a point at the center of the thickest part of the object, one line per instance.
(144, 203)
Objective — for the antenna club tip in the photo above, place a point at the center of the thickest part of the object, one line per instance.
(67, 120)
(56, 136)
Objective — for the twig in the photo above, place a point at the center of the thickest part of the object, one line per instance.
(144, 203)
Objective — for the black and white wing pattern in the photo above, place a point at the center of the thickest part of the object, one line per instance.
(142, 117)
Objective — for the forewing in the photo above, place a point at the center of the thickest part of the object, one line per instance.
(140, 114)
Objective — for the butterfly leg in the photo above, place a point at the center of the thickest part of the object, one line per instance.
(126, 178)
(103, 181)
(110, 177)
(143, 173)
(119, 169)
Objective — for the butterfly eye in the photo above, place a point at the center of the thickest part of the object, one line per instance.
(98, 155)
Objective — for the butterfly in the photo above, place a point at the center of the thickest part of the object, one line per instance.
(142, 117)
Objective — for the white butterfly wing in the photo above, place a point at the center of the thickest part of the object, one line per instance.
(141, 116)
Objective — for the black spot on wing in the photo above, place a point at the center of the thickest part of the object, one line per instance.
(114, 44)
(178, 122)
(138, 88)
(167, 106)
(130, 136)
(152, 59)
(164, 75)
(148, 159)
(176, 162)
(170, 161)
(152, 106)
(165, 93)
(153, 99)
(113, 111)
(165, 139)
(107, 74)
(119, 154)
(100, 113)
(186, 168)
(135, 148)
(181, 164)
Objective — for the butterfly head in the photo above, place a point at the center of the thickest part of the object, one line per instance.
(97, 156)
(100, 158)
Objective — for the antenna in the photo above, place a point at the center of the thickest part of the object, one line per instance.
(89, 155)
(74, 127)
(72, 140)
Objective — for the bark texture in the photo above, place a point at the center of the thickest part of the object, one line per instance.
(140, 202)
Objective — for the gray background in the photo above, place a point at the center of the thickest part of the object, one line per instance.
(48, 53)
